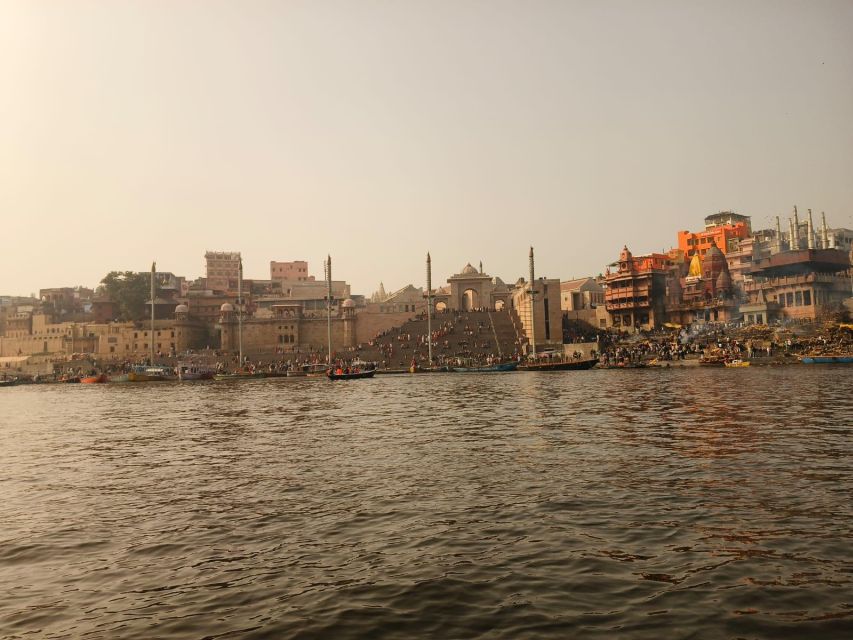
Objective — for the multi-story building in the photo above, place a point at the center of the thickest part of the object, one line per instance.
(722, 230)
(635, 293)
(62, 301)
(295, 271)
(802, 284)
(222, 269)
(580, 298)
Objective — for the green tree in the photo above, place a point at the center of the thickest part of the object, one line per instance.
(129, 292)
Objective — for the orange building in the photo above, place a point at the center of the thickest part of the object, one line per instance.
(723, 229)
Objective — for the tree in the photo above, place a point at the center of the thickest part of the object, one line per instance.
(129, 292)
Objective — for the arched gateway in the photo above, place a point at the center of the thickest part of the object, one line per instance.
(473, 289)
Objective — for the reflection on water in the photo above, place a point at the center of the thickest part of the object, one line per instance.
(706, 503)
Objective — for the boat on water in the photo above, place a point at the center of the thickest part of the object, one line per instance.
(347, 374)
(491, 368)
(308, 371)
(737, 363)
(101, 378)
(194, 372)
(356, 370)
(240, 375)
(69, 379)
(558, 365)
(147, 374)
(827, 359)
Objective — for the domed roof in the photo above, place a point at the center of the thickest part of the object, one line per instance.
(713, 263)
(348, 303)
(182, 308)
(625, 255)
(227, 307)
(468, 270)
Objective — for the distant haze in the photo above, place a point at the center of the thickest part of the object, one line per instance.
(378, 131)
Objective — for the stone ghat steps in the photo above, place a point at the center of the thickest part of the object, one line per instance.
(467, 334)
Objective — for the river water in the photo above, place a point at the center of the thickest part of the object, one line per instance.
(680, 503)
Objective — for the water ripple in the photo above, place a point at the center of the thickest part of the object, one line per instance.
(676, 503)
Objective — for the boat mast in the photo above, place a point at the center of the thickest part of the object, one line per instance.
(151, 343)
(532, 323)
(328, 270)
(240, 310)
(429, 306)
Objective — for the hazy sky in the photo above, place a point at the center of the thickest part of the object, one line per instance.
(375, 131)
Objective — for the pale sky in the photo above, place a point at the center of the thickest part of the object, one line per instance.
(378, 131)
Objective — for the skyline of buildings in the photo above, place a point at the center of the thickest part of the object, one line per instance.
(220, 267)
(758, 276)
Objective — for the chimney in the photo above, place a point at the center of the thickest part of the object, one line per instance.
(810, 231)
(824, 239)
(792, 237)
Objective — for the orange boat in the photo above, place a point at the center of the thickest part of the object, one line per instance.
(98, 379)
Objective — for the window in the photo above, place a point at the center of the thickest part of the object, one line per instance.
(789, 299)
(807, 298)
(798, 298)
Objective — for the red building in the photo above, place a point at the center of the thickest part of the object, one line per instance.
(635, 294)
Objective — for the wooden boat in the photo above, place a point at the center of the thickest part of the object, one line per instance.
(150, 374)
(341, 374)
(827, 359)
(563, 365)
(308, 371)
(69, 379)
(737, 363)
(194, 372)
(240, 375)
(492, 368)
(101, 378)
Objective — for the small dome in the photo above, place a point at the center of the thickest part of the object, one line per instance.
(468, 270)
(226, 307)
(348, 303)
(182, 308)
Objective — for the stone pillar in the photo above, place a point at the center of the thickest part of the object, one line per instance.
(810, 231)
(778, 236)
(796, 229)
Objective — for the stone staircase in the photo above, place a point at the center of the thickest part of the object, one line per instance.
(471, 334)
